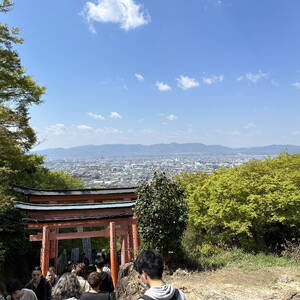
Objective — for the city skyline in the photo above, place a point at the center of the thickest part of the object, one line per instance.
(140, 72)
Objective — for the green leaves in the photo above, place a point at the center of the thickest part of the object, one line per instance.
(244, 205)
(162, 213)
(18, 91)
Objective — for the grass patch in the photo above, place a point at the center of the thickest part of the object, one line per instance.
(245, 261)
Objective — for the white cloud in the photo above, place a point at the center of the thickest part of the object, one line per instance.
(115, 115)
(124, 12)
(95, 116)
(297, 132)
(84, 127)
(171, 117)
(108, 131)
(139, 77)
(56, 129)
(253, 77)
(162, 86)
(296, 85)
(249, 126)
(185, 82)
(213, 79)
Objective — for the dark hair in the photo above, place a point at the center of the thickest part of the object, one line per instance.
(2, 289)
(13, 286)
(151, 263)
(37, 268)
(80, 269)
(95, 279)
(67, 287)
(99, 262)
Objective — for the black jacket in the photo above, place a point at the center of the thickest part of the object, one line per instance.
(106, 283)
(42, 291)
(95, 296)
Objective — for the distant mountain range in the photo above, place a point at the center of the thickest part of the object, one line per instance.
(95, 152)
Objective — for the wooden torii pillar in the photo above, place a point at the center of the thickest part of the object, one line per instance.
(130, 253)
(45, 250)
(54, 248)
(113, 253)
(136, 241)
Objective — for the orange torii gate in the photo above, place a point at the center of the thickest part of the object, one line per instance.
(51, 210)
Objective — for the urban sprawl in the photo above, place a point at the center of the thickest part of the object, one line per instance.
(127, 172)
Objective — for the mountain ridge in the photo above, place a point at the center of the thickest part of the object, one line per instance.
(97, 151)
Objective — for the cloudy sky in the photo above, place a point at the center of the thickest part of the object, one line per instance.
(151, 71)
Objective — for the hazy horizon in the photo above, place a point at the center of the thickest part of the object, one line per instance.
(133, 144)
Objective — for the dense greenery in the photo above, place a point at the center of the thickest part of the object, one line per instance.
(255, 206)
(18, 92)
(162, 213)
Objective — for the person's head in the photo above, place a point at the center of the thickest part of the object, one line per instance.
(95, 280)
(99, 263)
(50, 276)
(80, 269)
(149, 265)
(2, 289)
(52, 270)
(36, 274)
(70, 266)
(14, 288)
(67, 287)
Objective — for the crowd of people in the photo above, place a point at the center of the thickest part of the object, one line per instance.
(74, 284)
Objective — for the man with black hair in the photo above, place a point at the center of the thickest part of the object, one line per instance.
(95, 293)
(39, 285)
(15, 290)
(150, 266)
(106, 282)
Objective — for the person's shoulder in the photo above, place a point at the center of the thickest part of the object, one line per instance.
(85, 295)
(28, 294)
(104, 296)
(28, 291)
(104, 275)
(181, 295)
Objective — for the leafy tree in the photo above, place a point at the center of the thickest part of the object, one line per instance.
(18, 92)
(162, 213)
(254, 206)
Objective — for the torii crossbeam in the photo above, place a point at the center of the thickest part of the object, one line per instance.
(51, 210)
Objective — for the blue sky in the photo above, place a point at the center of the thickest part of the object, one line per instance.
(148, 71)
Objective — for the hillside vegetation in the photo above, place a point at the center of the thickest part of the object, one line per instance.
(254, 207)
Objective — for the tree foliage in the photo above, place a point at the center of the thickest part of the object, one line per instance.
(254, 206)
(18, 92)
(162, 213)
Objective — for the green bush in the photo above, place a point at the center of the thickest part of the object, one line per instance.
(255, 206)
(162, 214)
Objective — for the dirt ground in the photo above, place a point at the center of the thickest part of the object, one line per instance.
(276, 283)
